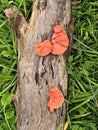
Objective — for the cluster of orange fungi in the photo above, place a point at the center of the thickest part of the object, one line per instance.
(56, 99)
(58, 44)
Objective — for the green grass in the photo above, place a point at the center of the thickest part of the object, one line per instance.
(82, 109)
(82, 102)
(8, 63)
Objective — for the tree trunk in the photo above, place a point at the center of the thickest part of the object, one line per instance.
(37, 74)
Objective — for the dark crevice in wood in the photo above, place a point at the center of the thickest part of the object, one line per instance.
(59, 86)
(62, 112)
(46, 81)
(27, 78)
(43, 61)
(18, 34)
(42, 74)
(36, 77)
(59, 61)
(65, 96)
(39, 91)
(27, 123)
(23, 75)
(70, 32)
(52, 71)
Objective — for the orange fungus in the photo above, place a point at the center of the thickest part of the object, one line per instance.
(56, 99)
(57, 29)
(43, 49)
(60, 41)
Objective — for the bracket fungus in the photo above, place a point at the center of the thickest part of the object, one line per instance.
(57, 46)
(56, 99)
(44, 48)
(59, 40)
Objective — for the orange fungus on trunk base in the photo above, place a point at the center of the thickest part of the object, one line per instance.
(43, 49)
(56, 99)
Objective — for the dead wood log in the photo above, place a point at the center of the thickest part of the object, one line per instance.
(37, 74)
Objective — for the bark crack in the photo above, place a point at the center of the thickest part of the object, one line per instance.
(43, 61)
(42, 74)
(52, 70)
(37, 77)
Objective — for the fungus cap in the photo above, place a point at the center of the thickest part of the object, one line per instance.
(57, 28)
(44, 48)
(56, 99)
(60, 43)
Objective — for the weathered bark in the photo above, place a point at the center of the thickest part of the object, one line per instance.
(37, 74)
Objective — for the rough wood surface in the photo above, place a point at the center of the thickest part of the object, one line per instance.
(37, 74)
